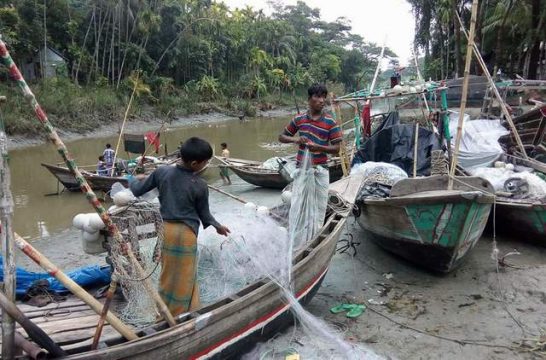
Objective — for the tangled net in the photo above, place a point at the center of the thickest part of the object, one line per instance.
(141, 226)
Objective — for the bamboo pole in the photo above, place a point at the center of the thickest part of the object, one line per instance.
(84, 186)
(493, 87)
(33, 331)
(124, 121)
(464, 94)
(241, 200)
(342, 152)
(415, 148)
(104, 312)
(71, 285)
(6, 234)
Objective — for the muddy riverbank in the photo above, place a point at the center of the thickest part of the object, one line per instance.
(141, 125)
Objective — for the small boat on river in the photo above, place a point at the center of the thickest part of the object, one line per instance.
(97, 182)
(254, 173)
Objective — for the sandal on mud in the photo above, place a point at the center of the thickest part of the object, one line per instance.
(340, 308)
(356, 311)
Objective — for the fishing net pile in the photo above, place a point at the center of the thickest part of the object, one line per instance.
(515, 182)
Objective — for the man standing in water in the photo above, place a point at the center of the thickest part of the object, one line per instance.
(319, 135)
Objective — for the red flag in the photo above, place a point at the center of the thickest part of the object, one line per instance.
(153, 139)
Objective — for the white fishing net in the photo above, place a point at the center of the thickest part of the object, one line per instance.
(141, 226)
(309, 200)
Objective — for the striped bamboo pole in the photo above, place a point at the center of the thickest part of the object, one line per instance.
(15, 74)
(464, 94)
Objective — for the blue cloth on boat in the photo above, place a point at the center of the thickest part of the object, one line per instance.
(87, 276)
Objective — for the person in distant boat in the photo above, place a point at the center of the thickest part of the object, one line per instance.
(101, 167)
(224, 172)
(109, 154)
(184, 204)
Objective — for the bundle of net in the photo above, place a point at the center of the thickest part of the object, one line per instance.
(257, 248)
(309, 200)
(140, 225)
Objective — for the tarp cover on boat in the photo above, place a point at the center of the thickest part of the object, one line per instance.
(479, 145)
(393, 143)
(93, 275)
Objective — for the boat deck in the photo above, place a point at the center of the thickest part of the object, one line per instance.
(71, 323)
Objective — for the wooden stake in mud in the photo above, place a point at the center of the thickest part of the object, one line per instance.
(493, 87)
(33, 331)
(6, 234)
(15, 74)
(71, 285)
(464, 94)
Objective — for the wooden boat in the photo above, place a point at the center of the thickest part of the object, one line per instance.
(252, 172)
(97, 182)
(426, 224)
(220, 330)
(531, 127)
(523, 218)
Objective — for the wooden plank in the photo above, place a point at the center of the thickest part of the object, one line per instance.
(27, 309)
(439, 182)
(78, 344)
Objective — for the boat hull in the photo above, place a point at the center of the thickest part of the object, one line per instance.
(96, 182)
(220, 330)
(526, 221)
(435, 232)
(273, 179)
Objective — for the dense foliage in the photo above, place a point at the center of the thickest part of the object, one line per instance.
(199, 44)
(508, 32)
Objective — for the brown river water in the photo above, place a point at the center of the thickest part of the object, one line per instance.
(39, 214)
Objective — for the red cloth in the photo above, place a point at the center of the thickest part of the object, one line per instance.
(153, 139)
(366, 120)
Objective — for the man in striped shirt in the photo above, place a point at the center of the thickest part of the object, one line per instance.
(317, 130)
(318, 135)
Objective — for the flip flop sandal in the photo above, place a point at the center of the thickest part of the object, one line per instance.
(356, 311)
(340, 308)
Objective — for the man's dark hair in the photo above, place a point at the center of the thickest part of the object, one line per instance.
(223, 145)
(317, 89)
(108, 146)
(195, 149)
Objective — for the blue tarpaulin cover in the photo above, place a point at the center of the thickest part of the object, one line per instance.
(87, 276)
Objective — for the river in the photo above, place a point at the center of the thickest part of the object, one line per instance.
(40, 213)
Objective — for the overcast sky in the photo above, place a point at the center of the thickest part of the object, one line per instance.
(374, 20)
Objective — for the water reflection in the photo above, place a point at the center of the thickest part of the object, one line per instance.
(53, 213)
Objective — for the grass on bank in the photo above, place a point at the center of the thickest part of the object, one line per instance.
(81, 109)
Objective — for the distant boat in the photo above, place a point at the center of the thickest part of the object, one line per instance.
(253, 173)
(95, 181)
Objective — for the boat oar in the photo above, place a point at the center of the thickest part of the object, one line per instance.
(34, 332)
(227, 194)
(71, 285)
(100, 325)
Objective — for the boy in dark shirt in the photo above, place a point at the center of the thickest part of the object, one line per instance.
(184, 203)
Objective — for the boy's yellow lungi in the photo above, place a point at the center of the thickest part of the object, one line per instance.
(178, 285)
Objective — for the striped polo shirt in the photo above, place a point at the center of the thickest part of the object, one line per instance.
(322, 132)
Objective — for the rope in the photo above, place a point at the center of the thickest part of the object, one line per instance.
(439, 163)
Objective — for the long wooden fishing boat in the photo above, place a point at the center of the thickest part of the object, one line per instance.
(97, 182)
(220, 330)
(426, 224)
(253, 173)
